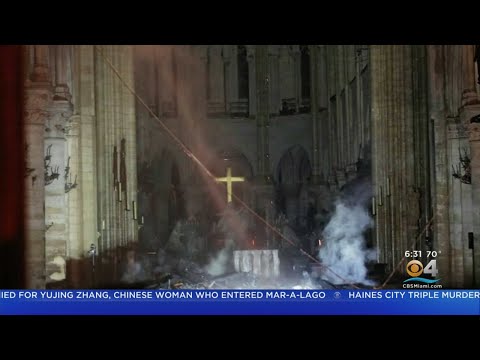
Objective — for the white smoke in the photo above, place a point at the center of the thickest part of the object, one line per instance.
(220, 263)
(343, 250)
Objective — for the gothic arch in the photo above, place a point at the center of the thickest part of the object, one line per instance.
(292, 177)
(294, 166)
(167, 203)
(236, 159)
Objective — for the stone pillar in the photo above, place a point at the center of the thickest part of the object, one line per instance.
(265, 208)
(286, 68)
(189, 75)
(252, 99)
(262, 117)
(441, 228)
(166, 77)
(127, 113)
(273, 74)
(314, 86)
(104, 186)
(332, 113)
(55, 201)
(297, 78)
(89, 230)
(41, 71)
(38, 97)
(62, 109)
(202, 108)
(377, 63)
(62, 61)
(216, 80)
(340, 119)
(150, 84)
(469, 95)
(231, 75)
(322, 104)
(461, 208)
(398, 135)
(471, 108)
(474, 139)
(75, 253)
(115, 127)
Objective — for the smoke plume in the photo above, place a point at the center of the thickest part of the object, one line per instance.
(344, 250)
(220, 264)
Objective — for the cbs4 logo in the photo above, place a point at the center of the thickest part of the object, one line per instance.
(415, 268)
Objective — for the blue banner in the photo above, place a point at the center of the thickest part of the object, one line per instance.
(239, 302)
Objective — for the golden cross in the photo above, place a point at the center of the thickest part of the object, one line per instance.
(229, 179)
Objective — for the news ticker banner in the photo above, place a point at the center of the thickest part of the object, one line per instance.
(239, 302)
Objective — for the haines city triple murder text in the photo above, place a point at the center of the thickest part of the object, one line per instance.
(413, 294)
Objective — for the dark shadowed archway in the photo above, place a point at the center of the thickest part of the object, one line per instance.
(292, 176)
(163, 203)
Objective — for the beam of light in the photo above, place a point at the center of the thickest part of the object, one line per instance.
(187, 113)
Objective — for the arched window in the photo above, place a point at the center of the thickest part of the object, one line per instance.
(242, 72)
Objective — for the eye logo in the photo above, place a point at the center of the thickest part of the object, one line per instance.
(414, 268)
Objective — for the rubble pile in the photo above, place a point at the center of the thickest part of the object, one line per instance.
(165, 271)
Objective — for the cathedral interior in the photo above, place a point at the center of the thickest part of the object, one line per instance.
(239, 166)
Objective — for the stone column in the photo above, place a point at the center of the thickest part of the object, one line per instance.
(263, 186)
(231, 75)
(297, 78)
(469, 95)
(314, 113)
(265, 195)
(273, 74)
(202, 107)
(469, 110)
(166, 77)
(375, 65)
(436, 70)
(41, 71)
(62, 108)
(55, 204)
(322, 101)
(474, 139)
(216, 80)
(150, 84)
(87, 175)
(107, 137)
(38, 97)
(252, 84)
(262, 117)
(460, 205)
(62, 60)
(286, 68)
(398, 136)
(61, 100)
(127, 103)
(75, 251)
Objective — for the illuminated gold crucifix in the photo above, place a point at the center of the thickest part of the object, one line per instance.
(229, 179)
